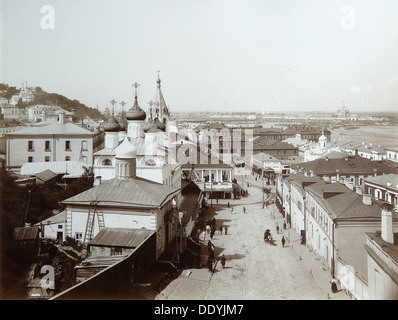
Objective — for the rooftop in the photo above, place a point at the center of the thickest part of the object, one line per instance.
(130, 193)
(54, 128)
(26, 233)
(350, 164)
(386, 180)
(121, 237)
(344, 204)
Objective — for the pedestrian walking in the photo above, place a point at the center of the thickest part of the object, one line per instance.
(226, 230)
(228, 204)
(283, 241)
(244, 209)
(277, 228)
(284, 224)
(223, 259)
(221, 229)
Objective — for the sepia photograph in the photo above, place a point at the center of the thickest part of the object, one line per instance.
(208, 152)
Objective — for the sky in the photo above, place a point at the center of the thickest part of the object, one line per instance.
(217, 55)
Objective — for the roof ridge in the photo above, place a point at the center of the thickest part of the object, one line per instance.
(350, 205)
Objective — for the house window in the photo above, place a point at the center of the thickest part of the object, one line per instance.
(67, 146)
(47, 159)
(79, 236)
(47, 146)
(116, 251)
(67, 158)
(84, 145)
(30, 145)
(30, 159)
(60, 226)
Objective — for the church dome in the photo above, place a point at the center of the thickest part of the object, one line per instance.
(123, 124)
(111, 125)
(150, 126)
(126, 149)
(160, 125)
(135, 112)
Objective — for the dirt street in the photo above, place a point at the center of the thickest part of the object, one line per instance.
(254, 269)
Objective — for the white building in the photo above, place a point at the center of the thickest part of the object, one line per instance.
(392, 154)
(152, 139)
(126, 201)
(55, 142)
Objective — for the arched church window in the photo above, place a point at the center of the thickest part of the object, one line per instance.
(150, 163)
(107, 162)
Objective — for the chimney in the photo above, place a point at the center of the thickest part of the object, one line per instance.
(367, 199)
(61, 118)
(387, 229)
(358, 190)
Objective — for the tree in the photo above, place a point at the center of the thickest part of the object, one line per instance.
(20, 103)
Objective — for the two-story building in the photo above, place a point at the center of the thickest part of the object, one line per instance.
(383, 188)
(59, 141)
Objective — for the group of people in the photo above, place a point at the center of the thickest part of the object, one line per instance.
(211, 227)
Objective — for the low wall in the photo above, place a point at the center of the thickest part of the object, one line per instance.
(350, 281)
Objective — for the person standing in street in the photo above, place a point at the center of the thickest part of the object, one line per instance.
(333, 283)
(226, 230)
(277, 228)
(221, 229)
(284, 224)
(283, 241)
(244, 209)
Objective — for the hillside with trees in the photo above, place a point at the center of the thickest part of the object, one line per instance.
(43, 97)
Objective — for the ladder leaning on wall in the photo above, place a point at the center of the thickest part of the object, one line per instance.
(92, 211)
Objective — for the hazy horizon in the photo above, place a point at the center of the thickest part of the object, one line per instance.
(260, 55)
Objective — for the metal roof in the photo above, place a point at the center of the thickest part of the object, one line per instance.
(45, 175)
(387, 180)
(342, 203)
(121, 237)
(351, 164)
(59, 167)
(55, 219)
(26, 233)
(54, 128)
(131, 192)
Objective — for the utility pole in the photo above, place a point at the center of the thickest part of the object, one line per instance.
(27, 207)
(211, 192)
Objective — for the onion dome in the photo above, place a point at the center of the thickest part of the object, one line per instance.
(150, 126)
(123, 124)
(126, 149)
(160, 125)
(135, 112)
(111, 125)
